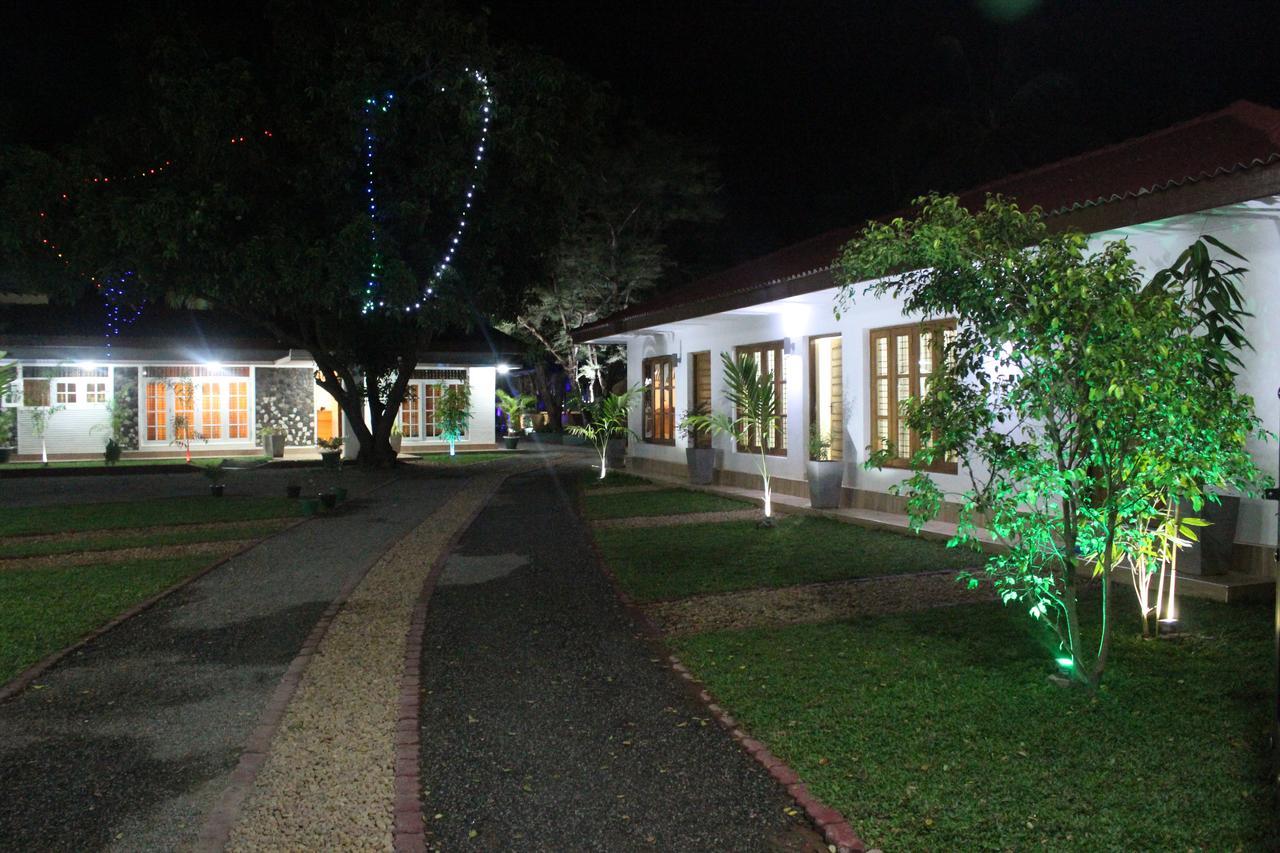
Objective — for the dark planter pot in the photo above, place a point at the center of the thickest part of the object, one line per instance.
(825, 480)
(702, 465)
(310, 506)
(341, 493)
(4, 454)
(293, 491)
(217, 489)
(1211, 553)
(274, 445)
(615, 451)
(511, 442)
(328, 500)
(330, 458)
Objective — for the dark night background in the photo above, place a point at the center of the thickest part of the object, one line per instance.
(821, 112)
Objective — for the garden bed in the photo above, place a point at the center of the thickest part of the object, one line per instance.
(939, 731)
(663, 563)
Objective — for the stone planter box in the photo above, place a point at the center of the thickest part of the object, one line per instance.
(825, 480)
(614, 452)
(274, 445)
(1211, 553)
(702, 465)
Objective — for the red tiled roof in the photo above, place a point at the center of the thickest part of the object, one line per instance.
(1244, 136)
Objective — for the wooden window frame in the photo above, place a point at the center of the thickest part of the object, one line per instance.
(779, 447)
(914, 377)
(699, 439)
(837, 436)
(663, 420)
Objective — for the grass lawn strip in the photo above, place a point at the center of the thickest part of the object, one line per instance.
(635, 521)
(45, 610)
(18, 521)
(214, 549)
(661, 502)
(939, 731)
(614, 479)
(202, 461)
(657, 563)
(465, 458)
(822, 602)
(115, 540)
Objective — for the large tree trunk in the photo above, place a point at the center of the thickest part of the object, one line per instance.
(552, 392)
(374, 434)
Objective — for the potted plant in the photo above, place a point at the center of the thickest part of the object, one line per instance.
(453, 414)
(293, 490)
(826, 477)
(396, 439)
(699, 453)
(753, 399)
(273, 441)
(40, 417)
(216, 474)
(514, 409)
(112, 449)
(330, 451)
(606, 419)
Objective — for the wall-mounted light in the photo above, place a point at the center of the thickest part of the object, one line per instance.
(504, 368)
(788, 346)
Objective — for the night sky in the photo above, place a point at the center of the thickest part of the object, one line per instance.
(821, 112)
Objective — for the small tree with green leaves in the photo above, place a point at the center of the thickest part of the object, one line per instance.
(753, 399)
(514, 408)
(606, 418)
(40, 418)
(453, 413)
(1082, 403)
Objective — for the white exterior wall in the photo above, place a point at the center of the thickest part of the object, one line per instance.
(68, 431)
(483, 427)
(1252, 229)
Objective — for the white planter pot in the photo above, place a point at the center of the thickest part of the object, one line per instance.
(825, 481)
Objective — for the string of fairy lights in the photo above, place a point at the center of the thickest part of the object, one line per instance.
(120, 313)
(373, 296)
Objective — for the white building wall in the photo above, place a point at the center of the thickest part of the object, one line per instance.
(1252, 229)
(483, 381)
(69, 431)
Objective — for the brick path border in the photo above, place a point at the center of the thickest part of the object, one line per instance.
(833, 826)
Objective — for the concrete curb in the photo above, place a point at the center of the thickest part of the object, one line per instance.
(23, 679)
(827, 820)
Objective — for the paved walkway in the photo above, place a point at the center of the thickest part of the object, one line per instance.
(129, 742)
(548, 723)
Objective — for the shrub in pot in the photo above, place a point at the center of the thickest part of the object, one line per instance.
(514, 409)
(606, 422)
(273, 441)
(825, 476)
(701, 459)
(330, 451)
(216, 474)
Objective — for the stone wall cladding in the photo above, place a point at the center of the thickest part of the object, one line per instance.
(125, 381)
(285, 400)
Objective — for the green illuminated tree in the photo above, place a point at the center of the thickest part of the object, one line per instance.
(453, 413)
(1081, 401)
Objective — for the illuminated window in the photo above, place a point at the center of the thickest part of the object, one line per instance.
(410, 413)
(660, 400)
(237, 410)
(826, 391)
(156, 405)
(700, 387)
(211, 410)
(35, 392)
(184, 411)
(95, 392)
(64, 392)
(903, 359)
(769, 362)
(430, 397)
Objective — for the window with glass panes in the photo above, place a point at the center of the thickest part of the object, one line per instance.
(769, 362)
(410, 423)
(659, 422)
(903, 360)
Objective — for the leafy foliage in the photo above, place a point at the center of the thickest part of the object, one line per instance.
(514, 408)
(1080, 401)
(606, 418)
(453, 412)
(753, 399)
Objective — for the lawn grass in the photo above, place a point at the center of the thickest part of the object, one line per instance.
(202, 461)
(660, 502)
(110, 541)
(64, 518)
(43, 610)
(939, 731)
(464, 458)
(612, 480)
(664, 562)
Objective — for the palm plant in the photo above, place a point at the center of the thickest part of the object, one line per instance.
(605, 419)
(40, 417)
(514, 408)
(453, 412)
(753, 399)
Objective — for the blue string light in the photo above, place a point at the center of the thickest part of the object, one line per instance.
(372, 108)
(118, 314)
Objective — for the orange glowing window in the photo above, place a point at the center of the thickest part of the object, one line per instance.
(184, 411)
(157, 423)
(238, 410)
(410, 419)
(211, 410)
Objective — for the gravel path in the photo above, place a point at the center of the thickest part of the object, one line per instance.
(549, 723)
(821, 602)
(128, 742)
(680, 518)
(218, 548)
(327, 782)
